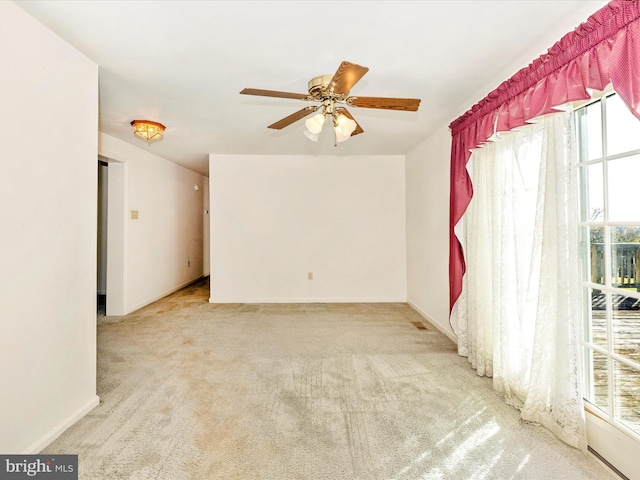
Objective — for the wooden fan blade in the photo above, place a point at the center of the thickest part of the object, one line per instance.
(406, 104)
(294, 117)
(347, 75)
(346, 113)
(273, 93)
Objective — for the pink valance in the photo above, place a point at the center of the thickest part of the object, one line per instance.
(604, 49)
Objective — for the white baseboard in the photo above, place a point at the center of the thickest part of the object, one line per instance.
(446, 331)
(614, 444)
(63, 426)
(162, 295)
(613, 474)
(308, 300)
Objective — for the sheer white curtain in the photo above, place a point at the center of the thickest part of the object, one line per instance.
(519, 313)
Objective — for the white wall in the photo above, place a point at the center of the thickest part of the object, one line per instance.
(164, 246)
(276, 218)
(427, 177)
(48, 207)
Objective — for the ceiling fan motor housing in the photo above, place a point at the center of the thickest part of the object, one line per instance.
(319, 89)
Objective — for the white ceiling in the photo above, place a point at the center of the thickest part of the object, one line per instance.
(183, 63)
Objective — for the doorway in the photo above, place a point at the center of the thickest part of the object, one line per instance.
(112, 237)
(608, 150)
(103, 205)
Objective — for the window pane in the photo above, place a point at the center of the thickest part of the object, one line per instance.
(625, 257)
(627, 395)
(623, 129)
(597, 320)
(623, 174)
(625, 319)
(592, 201)
(598, 374)
(596, 254)
(585, 255)
(590, 131)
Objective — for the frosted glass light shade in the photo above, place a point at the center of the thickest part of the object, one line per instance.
(344, 127)
(311, 136)
(315, 123)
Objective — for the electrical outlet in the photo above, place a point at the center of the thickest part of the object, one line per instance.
(310, 276)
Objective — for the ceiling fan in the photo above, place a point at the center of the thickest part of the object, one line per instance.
(332, 91)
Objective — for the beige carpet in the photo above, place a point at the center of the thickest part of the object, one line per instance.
(191, 390)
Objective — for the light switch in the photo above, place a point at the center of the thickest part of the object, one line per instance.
(134, 214)
(310, 276)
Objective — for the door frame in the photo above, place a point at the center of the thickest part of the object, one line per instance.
(117, 206)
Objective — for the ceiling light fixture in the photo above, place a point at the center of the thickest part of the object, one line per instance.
(147, 130)
(314, 126)
(343, 126)
(332, 91)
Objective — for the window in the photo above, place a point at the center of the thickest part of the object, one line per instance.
(609, 168)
